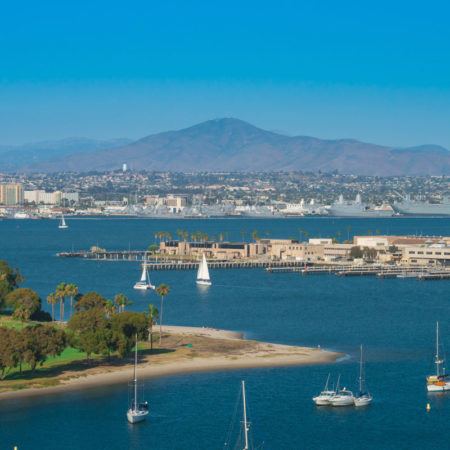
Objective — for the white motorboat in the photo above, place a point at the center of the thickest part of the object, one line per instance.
(62, 223)
(137, 412)
(343, 397)
(362, 398)
(324, 398)
(203, 273)
(439, 382)
(144, 283)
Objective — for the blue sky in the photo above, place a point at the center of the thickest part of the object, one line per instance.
(377, 71)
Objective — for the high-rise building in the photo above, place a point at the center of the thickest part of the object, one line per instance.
(11, 194)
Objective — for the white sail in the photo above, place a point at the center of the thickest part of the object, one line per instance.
(203, 272)
(144, 272)
(62, 223)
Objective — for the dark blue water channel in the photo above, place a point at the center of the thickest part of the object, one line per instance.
(393, 319)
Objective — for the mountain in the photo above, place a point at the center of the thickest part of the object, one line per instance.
(22, 156)
(234, 145)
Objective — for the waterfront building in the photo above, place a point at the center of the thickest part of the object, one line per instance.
(11, 194)
(50, 198)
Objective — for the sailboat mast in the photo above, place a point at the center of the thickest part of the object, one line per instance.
(360, 372)
(245, 416)
(437, 348)
(135, 376)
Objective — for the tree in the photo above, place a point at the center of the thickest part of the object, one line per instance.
(122, 301)
(348, 228)
(124, 326)
(86, 330)
(52, 299)
(162, 290)
(152, 315)
(40, 341)
(61, 293)
(24, 302)
(153, 248)
(7, 356)
(72, 291)
(369, 253)
(356, 252)
(9, 279)
(243, 232)
(89, 301)
(339, 235)
(221, 237)
(393, 249)
(110, 308)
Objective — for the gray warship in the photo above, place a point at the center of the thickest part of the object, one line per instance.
(355, 208)
(422, 208)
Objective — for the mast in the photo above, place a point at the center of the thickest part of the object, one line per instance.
(360, 372)
(135, 377)
(245, 416)
(437, 348)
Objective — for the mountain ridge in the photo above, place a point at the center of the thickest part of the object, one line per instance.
(234, 145)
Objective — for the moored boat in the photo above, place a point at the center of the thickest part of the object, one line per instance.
(324, 398)
(439, 382)
(362, 398)
(203, 273)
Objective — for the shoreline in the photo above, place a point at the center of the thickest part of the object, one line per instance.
(222, 350)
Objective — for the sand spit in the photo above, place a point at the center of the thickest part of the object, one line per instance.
(187, 350)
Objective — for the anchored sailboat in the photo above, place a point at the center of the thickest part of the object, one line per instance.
(362, 398)
(144, 283)
(203, 273)
(62, 223)
(440, 381)
(137, 412)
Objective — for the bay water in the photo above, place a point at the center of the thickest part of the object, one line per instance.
(394, 319)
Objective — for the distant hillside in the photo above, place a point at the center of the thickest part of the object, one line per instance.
(26, 156)
(234, 145)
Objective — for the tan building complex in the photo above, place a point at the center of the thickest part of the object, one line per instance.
(11, 194)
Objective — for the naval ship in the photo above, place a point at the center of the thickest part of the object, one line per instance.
(355, 208)
(422, 208)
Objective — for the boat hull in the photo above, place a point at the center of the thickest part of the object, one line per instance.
(143, 287)
(204, 282)
(342, 401)
(136, 416)
(363, 401)
(438, 387)
(63, 227)
(321, 401)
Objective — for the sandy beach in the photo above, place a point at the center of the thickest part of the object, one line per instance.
(186, 350)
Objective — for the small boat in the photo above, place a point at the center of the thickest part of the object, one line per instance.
(439, 382)
(137, 411)
(245, 438)
(144, 283)
(203, 273)
(62, 223)
(362, 398)
(324, 398)
(343, 397)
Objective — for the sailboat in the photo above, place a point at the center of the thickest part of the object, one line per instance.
(362, 398)
(137, 412)
(324, 398)
(144, 283)
(62, 223)
(203, 273)
(440, 381)
(245, 439)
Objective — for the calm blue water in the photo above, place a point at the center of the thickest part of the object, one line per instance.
(394, 319)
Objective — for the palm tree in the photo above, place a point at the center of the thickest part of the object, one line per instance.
(300, 230)
(152, 314)
(339, 235)
(221, 237)
(162, 290)
(61, 293)
(72, 291)
(243, 235)
(51, 300)
(254, 235)
(227, 234)
(348, 232)
(122, 301)
(193, 237)
(110, 308)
